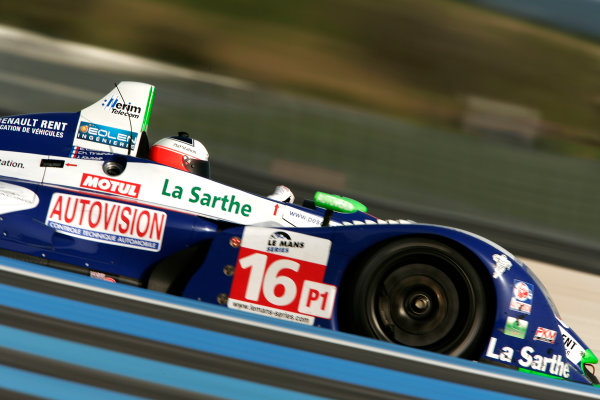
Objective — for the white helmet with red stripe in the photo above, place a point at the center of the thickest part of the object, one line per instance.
(182, 152)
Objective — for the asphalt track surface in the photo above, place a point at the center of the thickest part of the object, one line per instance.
(26, 81)
(222, 365)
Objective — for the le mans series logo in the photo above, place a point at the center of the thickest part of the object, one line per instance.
(107, 221)
(106, 135)
(281, 242)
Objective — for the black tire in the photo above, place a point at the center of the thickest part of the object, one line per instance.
(421, 293)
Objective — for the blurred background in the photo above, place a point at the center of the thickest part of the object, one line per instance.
(473, 110)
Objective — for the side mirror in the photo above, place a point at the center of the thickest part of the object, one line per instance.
(333, 202)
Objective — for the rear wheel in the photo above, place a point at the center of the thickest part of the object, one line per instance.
(421, 293)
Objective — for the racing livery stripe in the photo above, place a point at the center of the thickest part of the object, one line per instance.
(149, 102)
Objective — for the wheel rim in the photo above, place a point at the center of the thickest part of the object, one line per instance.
(422, 305)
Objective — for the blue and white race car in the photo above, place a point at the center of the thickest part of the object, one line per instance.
(79, 192)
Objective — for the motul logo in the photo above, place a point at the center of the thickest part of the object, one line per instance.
(110, 185)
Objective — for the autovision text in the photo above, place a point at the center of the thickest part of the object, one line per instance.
(107, 221)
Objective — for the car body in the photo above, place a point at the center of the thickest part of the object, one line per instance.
(78, 194)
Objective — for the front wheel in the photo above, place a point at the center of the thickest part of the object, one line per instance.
(420, 293)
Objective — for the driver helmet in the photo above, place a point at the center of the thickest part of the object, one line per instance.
(182, 152)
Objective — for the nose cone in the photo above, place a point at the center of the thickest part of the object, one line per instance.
(589, 357)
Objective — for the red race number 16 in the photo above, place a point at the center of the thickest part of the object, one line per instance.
(285, 284)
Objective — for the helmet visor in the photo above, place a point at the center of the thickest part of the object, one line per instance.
(197, 167)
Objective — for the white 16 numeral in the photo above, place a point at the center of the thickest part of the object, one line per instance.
(257, 263)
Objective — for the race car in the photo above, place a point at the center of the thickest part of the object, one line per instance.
(79, 191)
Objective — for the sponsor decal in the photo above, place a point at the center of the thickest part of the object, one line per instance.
(298, 217)
(107, 221)
(502, 264)
(106, 135)
(110, 185)
(280, 274)
(226, 203)
(34, 126)
(529, 359)
(269, 311)
(187, 148)
(281, 242)
(115, 106)
(102, 276)
(10, 192)
(522, 297)
(16, 198)
(573, 349)
(11, 164)
(515, 327)
(86, 154)
(545, 335)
